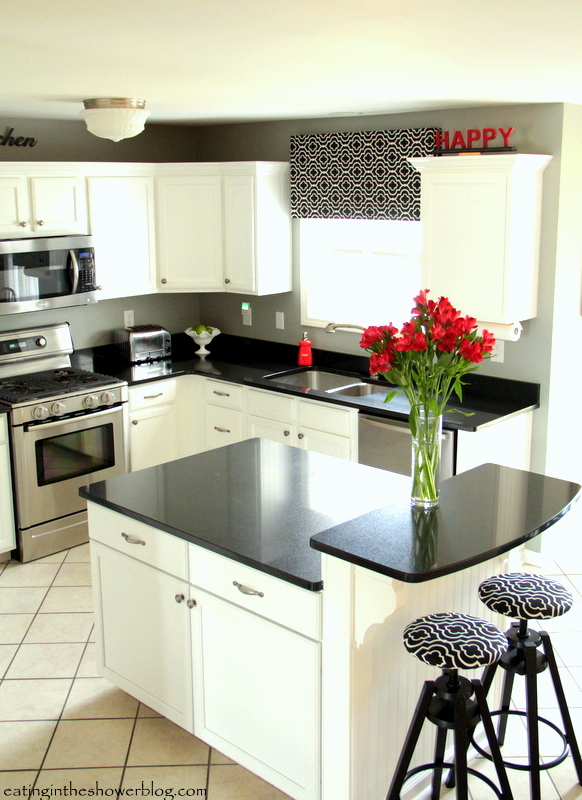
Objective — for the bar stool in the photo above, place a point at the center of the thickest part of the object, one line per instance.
(529, 652)
(452, 641)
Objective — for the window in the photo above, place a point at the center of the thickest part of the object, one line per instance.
(363, 272)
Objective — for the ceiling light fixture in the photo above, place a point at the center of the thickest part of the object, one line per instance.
(115, 118)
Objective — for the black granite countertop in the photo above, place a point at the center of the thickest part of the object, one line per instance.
(258, 502)
(273, 507)
(246, 361)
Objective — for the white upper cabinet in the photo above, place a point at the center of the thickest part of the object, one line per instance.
(481, 229)
(224, 227)
(41, 205)
(190, 232)
(122, 223)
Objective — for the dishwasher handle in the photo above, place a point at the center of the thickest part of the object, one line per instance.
(392, 425)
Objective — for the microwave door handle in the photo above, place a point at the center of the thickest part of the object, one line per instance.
(75, 271)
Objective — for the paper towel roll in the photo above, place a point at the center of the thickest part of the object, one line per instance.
(509, 333)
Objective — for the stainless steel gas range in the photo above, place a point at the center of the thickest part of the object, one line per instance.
(68, 428)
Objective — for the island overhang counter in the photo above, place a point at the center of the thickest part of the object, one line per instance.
(299, 572)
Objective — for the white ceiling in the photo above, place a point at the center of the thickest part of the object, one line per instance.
(198, 61)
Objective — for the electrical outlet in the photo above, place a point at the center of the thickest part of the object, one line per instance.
(280, 320)
(498, 353)
(128, 320)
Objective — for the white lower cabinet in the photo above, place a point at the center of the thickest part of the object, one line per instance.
(7, 529)
(257, 694)
(223, 413)
(153, 428)
(243, 676)
(310, 424)
(142, 616)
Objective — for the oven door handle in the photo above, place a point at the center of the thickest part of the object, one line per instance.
(74, 271)
(69, 421)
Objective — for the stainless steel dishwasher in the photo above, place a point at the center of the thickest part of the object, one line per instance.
(387, 444)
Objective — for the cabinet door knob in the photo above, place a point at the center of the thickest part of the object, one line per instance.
(132, 540)
(246, 589)
(22, 224)
(286, 433)
(40, 223)
(227, 280)
(179, 598)
(300, 435)
(190, 603)
(164, 280)
(134, 421)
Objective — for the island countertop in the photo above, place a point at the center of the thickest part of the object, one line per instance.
(273, 507)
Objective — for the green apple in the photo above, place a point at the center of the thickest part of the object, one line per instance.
(200, 329)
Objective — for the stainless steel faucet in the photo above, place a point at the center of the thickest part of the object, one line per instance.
(332, 327)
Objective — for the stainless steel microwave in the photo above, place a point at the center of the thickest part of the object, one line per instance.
(37, 274)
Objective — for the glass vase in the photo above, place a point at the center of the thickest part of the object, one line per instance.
(426, 455)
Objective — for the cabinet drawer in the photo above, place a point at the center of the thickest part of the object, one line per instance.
(152, 394)
(282, 602)
(270, 405)
(222, 426)
(224, 394)
(152, 546)
(325, 417)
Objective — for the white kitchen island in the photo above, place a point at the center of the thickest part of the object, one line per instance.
(214, 607)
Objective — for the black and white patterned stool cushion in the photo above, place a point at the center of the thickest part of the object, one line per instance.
(524, 596)
(454, 641)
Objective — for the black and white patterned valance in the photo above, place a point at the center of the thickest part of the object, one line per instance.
(358, 175)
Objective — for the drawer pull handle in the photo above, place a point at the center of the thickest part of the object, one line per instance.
(221, 394)
(132, 540)
(246, 589)
(152, 396)
(221, 430)
(179, 598)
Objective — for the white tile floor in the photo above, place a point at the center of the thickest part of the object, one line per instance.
(62, 726)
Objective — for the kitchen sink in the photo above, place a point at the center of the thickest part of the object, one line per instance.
(328, 382)
(313, 379)
(357, 390)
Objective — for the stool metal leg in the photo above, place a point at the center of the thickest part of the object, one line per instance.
(491, 738)
(461, 747)
(411, 740)
(530, 653)
(439, 758)
(563, 706)
(505, 704)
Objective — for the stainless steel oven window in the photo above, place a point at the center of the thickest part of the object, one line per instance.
(70, 455)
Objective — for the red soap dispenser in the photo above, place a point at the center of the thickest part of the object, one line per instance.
(305, 356)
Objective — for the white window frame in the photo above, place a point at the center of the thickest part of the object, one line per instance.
(312, 249)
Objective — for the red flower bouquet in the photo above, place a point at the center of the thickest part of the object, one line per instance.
(427, 358)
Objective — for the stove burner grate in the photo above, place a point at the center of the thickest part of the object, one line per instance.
(37, 385)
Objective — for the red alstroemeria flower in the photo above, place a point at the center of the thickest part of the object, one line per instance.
(411, 341)
(380, 362)
(472, 351)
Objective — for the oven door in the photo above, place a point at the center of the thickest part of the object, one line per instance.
(54, 459)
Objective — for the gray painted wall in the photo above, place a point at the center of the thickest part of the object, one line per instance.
(544, 353)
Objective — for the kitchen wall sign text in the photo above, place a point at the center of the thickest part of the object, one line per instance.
(16, 141)
(473, 136)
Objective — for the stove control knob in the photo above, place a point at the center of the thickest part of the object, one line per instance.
(58, 409)
(91, 401)
(107, 398)
(41, 341)
(40, 412)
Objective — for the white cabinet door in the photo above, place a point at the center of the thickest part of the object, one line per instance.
(14, 213)
(122, 222)
(329, 444)
(142, 623)
(58, 205)
(271, 429)
(7, 529)
(189, 218)
(481, 222)
(42, 206)
(257, 689)
(152, 437)
(239, 234)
